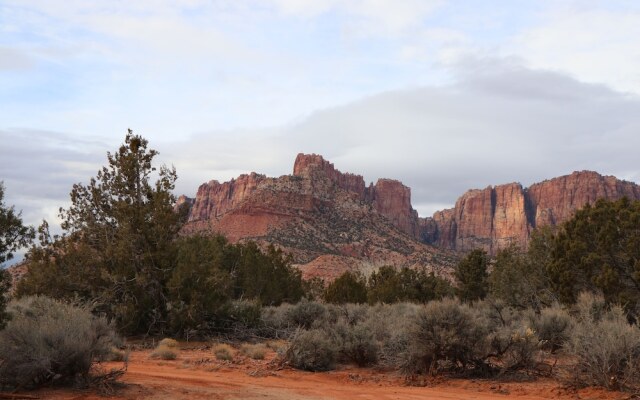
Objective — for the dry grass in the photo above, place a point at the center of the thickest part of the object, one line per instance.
(164, 353)
(223, 352)
(254, 351)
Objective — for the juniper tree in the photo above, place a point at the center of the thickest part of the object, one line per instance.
(117, 246)
(13, 236)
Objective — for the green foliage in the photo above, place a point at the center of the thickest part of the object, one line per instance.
(51, 342)
(350, 287)
(519, 278)
(471, 275)
(388, 285)
(599, 250)
(5, 285)
(117, 245)
(13, 235)
(267, 276)
(201, 282)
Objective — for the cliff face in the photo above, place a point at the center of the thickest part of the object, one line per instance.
(328, 220)
(497, 216)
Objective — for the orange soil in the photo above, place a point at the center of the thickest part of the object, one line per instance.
(196, 374)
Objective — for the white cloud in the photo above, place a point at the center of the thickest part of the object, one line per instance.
(594, 45)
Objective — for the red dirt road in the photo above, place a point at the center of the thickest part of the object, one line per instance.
(196, 374)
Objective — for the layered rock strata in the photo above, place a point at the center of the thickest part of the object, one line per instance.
(494, 217)
(319, 215)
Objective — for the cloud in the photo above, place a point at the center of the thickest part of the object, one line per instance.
(500, 122)
(594, 44)
(12, 59)
(39, 168)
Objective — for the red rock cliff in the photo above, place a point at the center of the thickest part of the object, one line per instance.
(495, 217)
(327, 220)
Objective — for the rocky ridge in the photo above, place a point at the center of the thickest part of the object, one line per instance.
(331, 221)
(328, 220)
(494, 217)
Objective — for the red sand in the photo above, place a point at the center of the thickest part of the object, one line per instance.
(196, 374)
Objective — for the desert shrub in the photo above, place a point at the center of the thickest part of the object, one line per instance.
(275, 322)
(590, 306)
(239, 317)
(305, 313)
(513, 348)
(164, 352)
(445, 335)
(311, 351)
(254, 351)
(279, 346)
(552, 326)
(223, 352)
(352, 314)
(168, 342)
(48, 341)
(356, 343)
(606, 349)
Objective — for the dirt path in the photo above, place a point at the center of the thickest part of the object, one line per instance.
(197, 375)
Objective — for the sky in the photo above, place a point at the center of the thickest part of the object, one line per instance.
(443, 95)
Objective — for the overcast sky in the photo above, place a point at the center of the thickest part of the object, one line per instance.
(442, 95)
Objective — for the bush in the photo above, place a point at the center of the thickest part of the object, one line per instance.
(275, 322)
(164, 352)
(311, 351)
(305, 313)
(223, 352)
(552, 326)
(49, 341)
(606, 350)
(239, 316)
(357, 344)
(254, 351)
(445, 335)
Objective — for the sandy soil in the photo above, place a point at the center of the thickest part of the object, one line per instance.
(196, 374)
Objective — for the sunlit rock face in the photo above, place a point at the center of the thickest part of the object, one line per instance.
(495, 217)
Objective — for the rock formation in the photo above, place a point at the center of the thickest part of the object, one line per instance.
(331, 221)
(497, 216)
(328, 220)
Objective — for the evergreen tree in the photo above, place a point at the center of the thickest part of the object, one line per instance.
(117, 243)
(13, 236)
(519, 277)
(201, 282)
(350, 287)
(599, 250)
(471, 275)
(389, 285)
